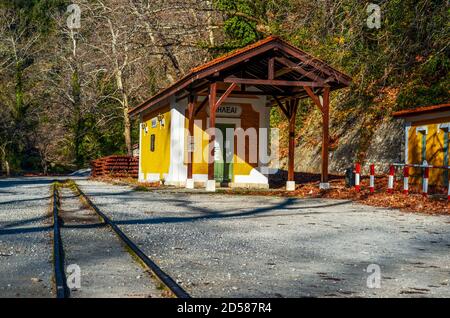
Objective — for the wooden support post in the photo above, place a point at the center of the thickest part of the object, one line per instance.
(292, 111)
(291, 143)
(191, 105)
(325, 137)
(211, 183)
(200, 107)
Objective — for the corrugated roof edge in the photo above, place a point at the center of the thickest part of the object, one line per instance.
(421, 110)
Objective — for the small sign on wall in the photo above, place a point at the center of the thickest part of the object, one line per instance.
(228, 110)
(145, 128)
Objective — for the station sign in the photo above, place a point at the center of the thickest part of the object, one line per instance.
(228, 110)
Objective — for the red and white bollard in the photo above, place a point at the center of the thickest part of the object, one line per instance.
(406, 180)
(357, 177)
(372, 179)
(391, 179)
(426, 175)
(448, 186)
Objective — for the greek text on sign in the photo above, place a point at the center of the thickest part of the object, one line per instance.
(228, 110)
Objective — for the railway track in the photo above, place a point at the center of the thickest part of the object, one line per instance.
(58, 252)
(62, 291)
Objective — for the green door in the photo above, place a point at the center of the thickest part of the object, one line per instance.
(223, 155)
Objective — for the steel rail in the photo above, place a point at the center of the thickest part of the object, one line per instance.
(58, 253)
(168, 281)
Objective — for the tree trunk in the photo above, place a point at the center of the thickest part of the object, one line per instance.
(8, 172)
(212, 41)
(154, 36)
(126, 117)
(5, 161)
(119, 82)
(126, 124)
(77, 120)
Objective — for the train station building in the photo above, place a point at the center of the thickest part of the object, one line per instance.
(427, 141)
(212, 127)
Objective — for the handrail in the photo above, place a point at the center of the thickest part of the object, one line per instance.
(420, 166)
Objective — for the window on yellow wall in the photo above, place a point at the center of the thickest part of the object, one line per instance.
(422, 133)
(152, 143)
(424, 146)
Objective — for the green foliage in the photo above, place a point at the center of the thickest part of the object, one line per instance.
(409, 52)
(240, 30)
(34, 14)
(404, 64)
(248, 21)
(430, 84)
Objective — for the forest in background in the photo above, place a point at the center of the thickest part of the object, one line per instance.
(65, 93)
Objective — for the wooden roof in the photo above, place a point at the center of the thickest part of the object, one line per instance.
(292, 69)
(421, 111)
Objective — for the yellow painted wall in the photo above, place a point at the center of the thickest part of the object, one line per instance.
(434, 150)
(249, 118)
(159, 160)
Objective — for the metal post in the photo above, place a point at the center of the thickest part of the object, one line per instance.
(406, 180)
(357, 177)
(372, 178)
(391, 179)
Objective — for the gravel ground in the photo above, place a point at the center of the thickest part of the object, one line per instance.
(235, 246)
(249, 246)
(107, 269)
(25, 250)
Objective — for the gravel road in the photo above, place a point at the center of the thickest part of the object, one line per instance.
(248, 246)
(219, 245)
(107, 270)
(25, 250)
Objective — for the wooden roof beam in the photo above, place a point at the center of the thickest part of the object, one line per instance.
(316, 63)
(295, 67)
(281, 106)
(282, 91)
(314, 97)
(225, 95)
(253, 81)
(283, 71)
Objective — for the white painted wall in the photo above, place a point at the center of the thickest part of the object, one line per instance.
(177, 170)
(407, 128)
(141, 176)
